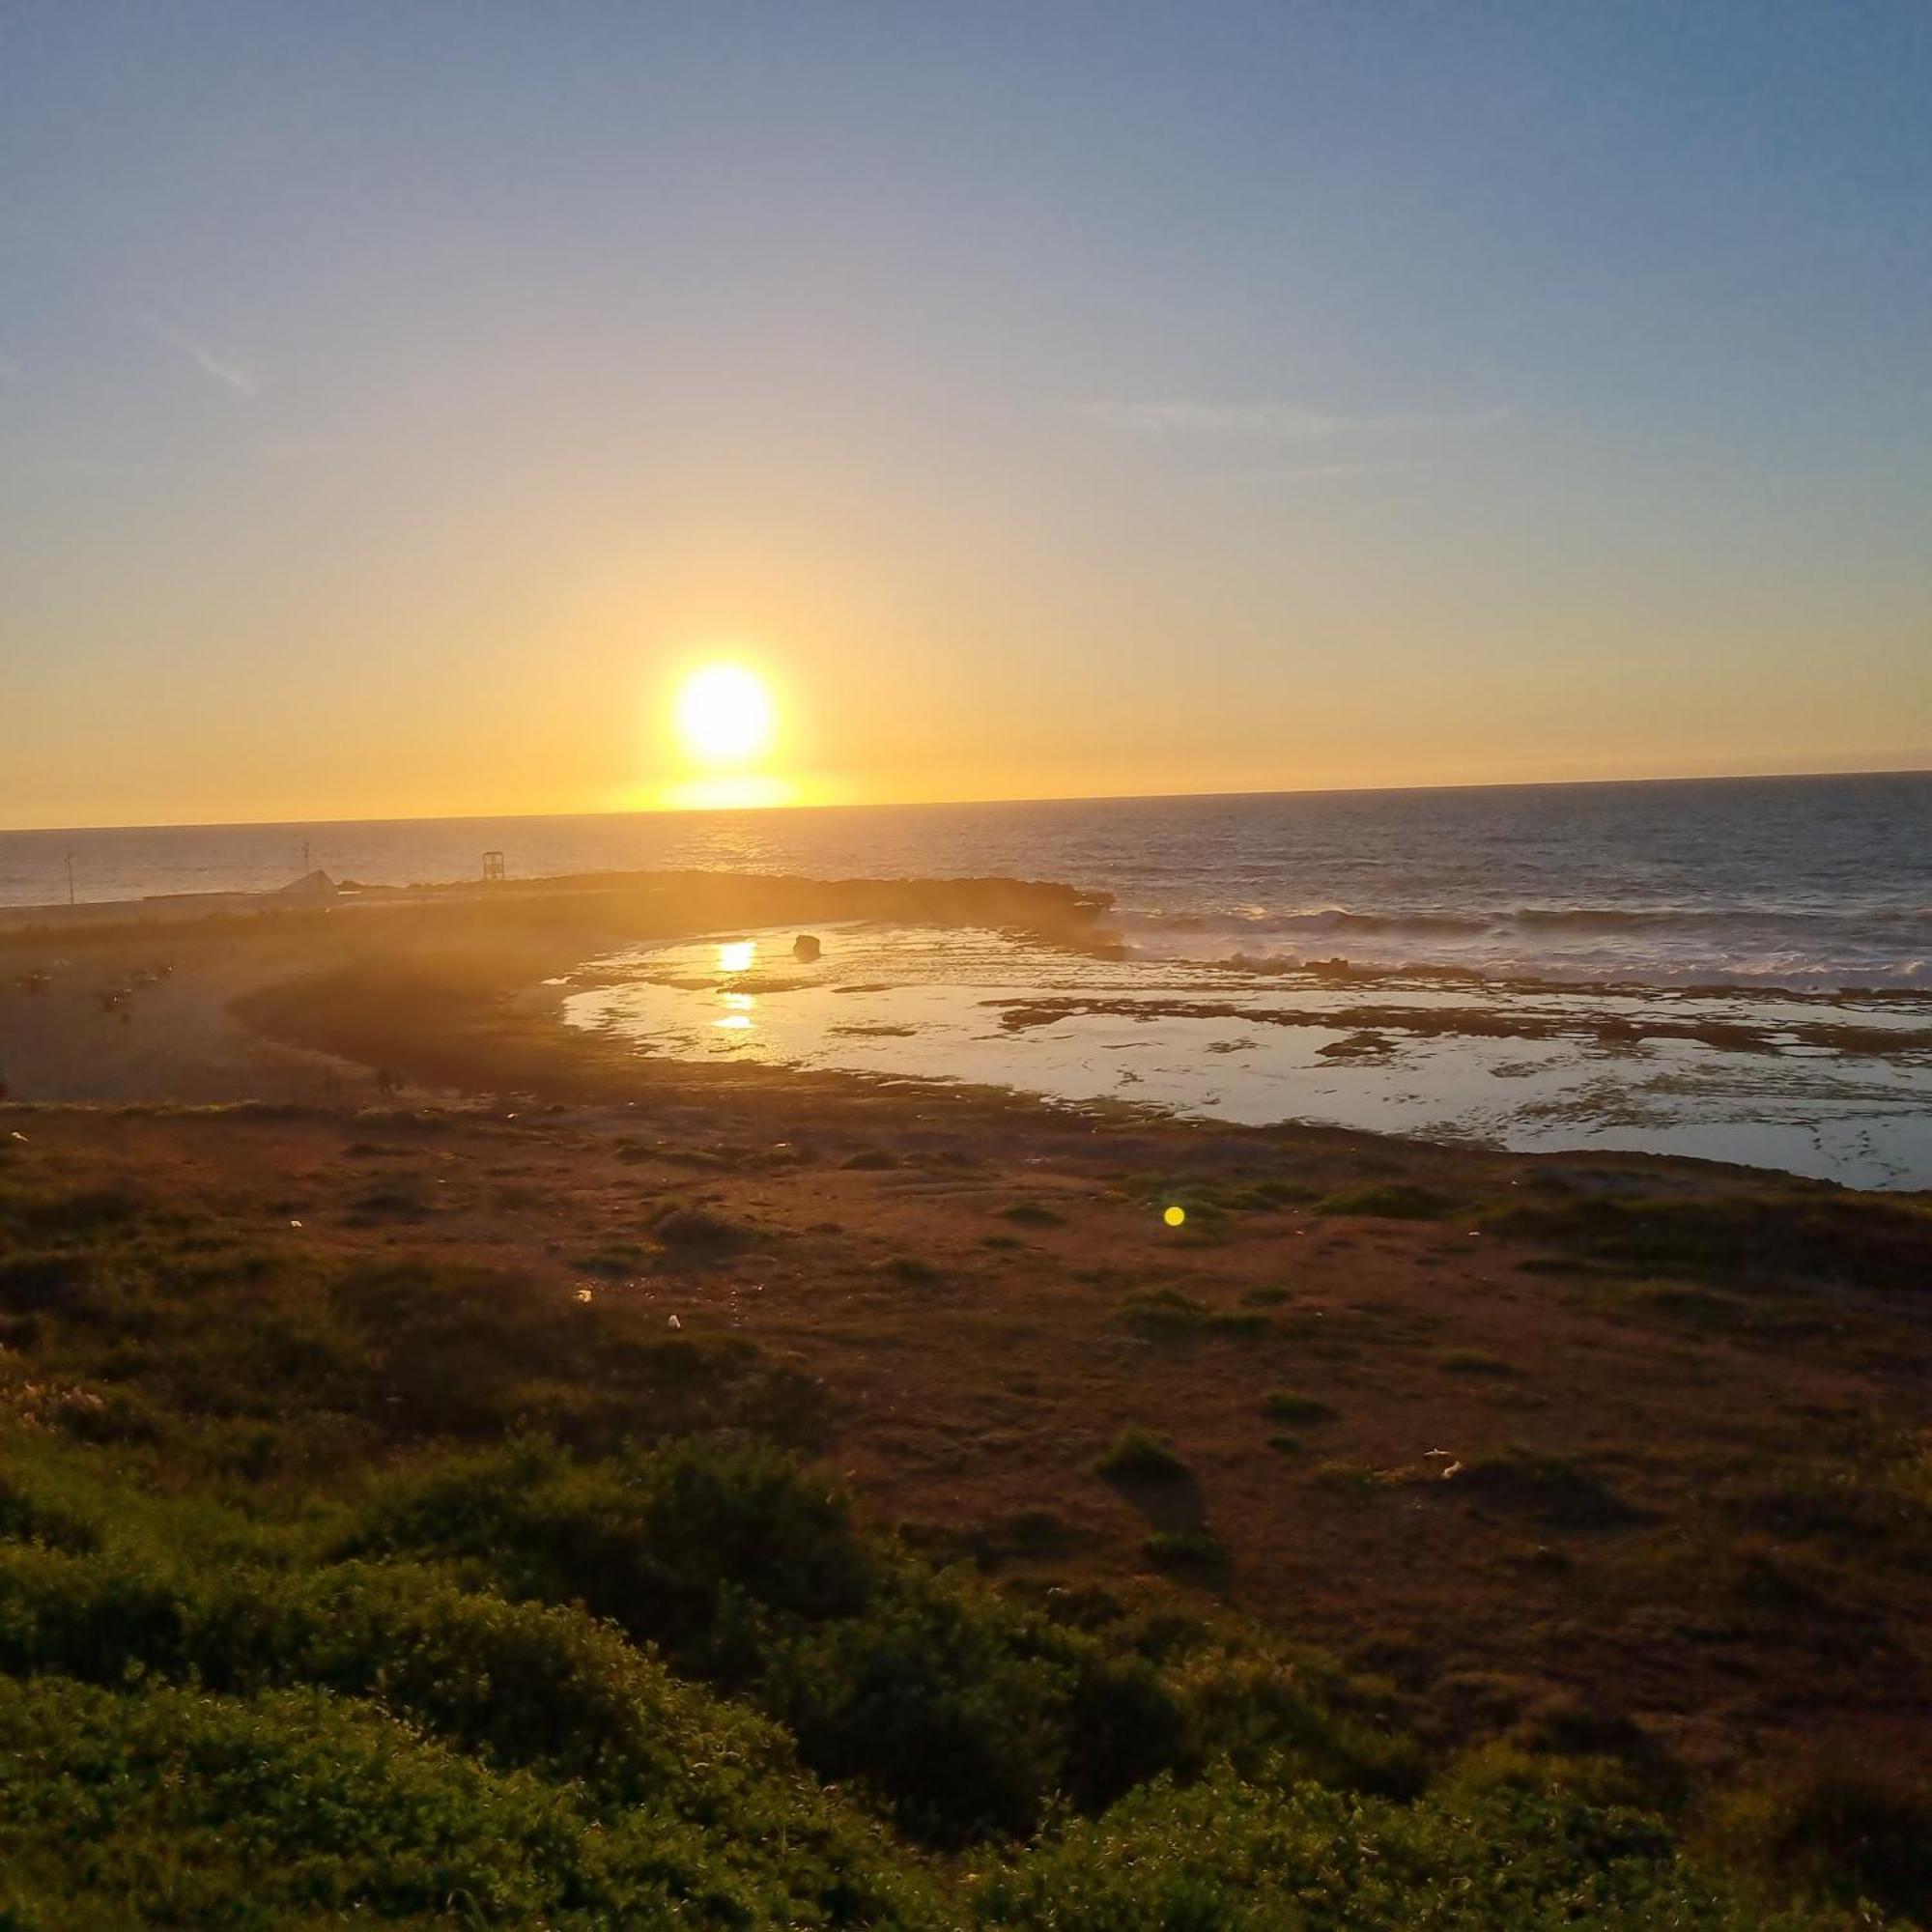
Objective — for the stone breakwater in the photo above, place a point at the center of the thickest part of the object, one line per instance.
(648, 901)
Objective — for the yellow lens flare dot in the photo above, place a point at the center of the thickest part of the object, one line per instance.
(1174, 1216)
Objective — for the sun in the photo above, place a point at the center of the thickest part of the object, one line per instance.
(725, 715)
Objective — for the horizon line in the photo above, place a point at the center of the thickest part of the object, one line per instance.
(944, 803)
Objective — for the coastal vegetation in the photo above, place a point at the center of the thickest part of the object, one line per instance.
(347, 1578)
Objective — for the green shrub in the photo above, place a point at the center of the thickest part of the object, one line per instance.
(1848, 1831)
(401, 1198)
(1289, 1405)
(1139, 1456)
(961, 1713)
(76, 1215)
(1248, 1321)
(169, 1807)
(1195, 1551)
(1228, 1855)
(1163, 1312)
(1473, 1362)
(1390, 1201)
(1300, 1719)
(698, 1231)
(620, 1259)
(1553, 1490)
(1166, 1314)
(1766, 1236)
(29, 1513)
(674, 1547)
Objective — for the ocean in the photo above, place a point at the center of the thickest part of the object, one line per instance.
(1803, 883)
(1737, 969)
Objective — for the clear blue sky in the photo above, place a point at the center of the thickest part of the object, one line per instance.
(1048, 398)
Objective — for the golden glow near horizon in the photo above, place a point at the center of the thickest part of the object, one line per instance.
(1208, 503)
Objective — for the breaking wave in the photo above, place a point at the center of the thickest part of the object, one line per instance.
(1662, 946)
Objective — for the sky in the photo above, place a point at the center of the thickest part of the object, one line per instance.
(1053, 399)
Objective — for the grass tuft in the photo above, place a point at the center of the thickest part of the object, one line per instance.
(1473, 1362)
(1186, 1552)
(1139, 1456)
(1290, 1406)
(1034, 1214)
(1387, 1199)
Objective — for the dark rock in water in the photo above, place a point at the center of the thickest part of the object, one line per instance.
(1366, 1046)
(806, 947)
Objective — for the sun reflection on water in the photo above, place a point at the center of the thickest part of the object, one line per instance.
(735, 956)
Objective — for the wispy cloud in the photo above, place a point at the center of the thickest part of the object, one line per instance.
(218, 366)
(1285, 421)
(1326, 473)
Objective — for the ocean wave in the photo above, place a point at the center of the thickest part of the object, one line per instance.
(1597, 974)
(1501, 919)
(1798, 948)
(1330, 918)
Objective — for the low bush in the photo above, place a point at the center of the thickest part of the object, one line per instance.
(963, 1712)
(1290, 1406)
(1238, 1856)
(1166, 1314)
(175, 1807)
(698, 1231)
(617, 1260)
(1763, 1236)
(1473, 1362)
(1139, 1456)
(1388, 1200)
(1034, 1214)
(1159, 1312)
(1846, 1831)
(1552, 1490)
(1188, 1551)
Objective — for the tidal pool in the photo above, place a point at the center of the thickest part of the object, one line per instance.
(1839, 1088)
